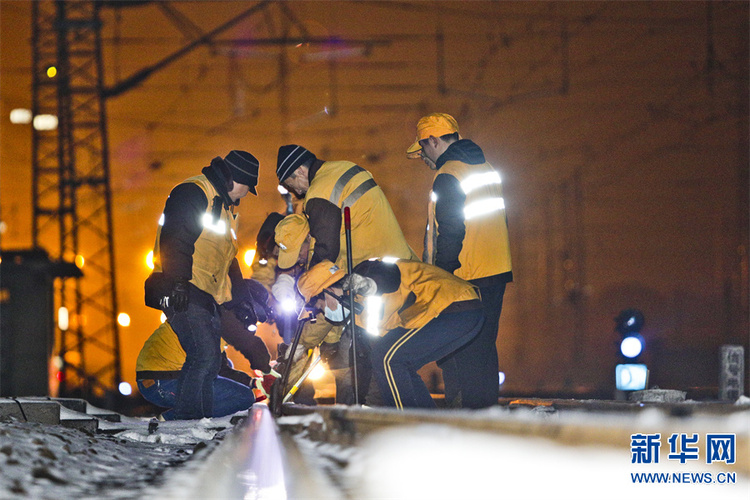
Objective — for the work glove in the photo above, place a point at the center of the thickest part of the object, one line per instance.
(180, 296)
(358, 284)
(262, 383)
(246, 313)
(285, 293)
(283, 288)
(259, 297)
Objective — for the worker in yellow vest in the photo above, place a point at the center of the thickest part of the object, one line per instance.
(196, 271)
(467, 235)
(417, 313)
(329, 186)
(293, 242)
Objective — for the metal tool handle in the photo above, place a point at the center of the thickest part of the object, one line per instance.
(349, 266)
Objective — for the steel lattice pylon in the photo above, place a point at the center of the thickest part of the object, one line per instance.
(71, 190)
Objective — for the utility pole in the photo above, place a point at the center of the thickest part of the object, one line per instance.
(72, 200)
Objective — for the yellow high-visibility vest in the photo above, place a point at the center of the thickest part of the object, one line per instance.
(215, 248)
(375, 231)
(485, 250)
(434, 290)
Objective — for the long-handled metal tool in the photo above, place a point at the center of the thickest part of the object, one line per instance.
(304, 376)
(276, 402)
(349, 266)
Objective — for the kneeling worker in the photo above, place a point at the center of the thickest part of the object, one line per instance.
(159, 366)
(420, 312)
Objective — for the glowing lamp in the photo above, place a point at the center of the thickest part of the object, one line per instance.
(123, 319)
(125, 389)
(632, 346)
(631, 377)
(318, 372)
(45, 122)
(63, 318)
(288, 305)
(250, 256)
(20, 116)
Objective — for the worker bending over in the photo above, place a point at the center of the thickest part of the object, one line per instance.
(420, 313)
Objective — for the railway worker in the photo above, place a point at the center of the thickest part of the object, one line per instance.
(293, 243)
(418, 313)
(327, 187)
(467, 235)
(196, 270)
(161, 360)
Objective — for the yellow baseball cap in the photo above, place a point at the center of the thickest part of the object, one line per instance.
(290, 234)
(435, 124)
(318, 278)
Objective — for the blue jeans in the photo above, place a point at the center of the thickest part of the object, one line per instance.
(199, 332)
(229, 396)
(398, 355)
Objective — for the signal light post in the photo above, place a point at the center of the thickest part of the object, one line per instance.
(629, 374)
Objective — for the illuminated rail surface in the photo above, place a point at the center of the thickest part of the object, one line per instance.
(265, 459)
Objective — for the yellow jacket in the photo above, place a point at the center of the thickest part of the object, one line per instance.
(375, 231)
(485, 248)
(423, 293)
(162, 352)
(215, 248)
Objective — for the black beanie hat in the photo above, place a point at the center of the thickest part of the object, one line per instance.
(290, 158)
(244, 168)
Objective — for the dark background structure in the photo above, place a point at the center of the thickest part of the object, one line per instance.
(620, 130)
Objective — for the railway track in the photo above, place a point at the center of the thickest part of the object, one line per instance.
(572, 449)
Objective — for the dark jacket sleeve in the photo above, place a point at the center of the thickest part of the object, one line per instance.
(227, 371)
(182, 226)
(325, 226)
(239, 288)
(450, 221)
(250, 346)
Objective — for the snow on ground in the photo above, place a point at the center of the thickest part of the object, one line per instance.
(431, 461)
(440, 462)
(128, 460)
(125, 461)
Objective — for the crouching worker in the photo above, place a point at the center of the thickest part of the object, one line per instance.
(293, 243)
(158, 370)
(161, 362)
(420, 313)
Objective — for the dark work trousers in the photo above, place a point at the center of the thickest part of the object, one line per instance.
(339, 357)
(398, 355)
(471, 373)
(199, 332)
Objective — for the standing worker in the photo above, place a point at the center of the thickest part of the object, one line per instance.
(195, 271)
(328, 187)
(467, 235)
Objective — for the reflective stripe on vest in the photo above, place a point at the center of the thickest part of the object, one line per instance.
(341, 183)
(475, 181)
(485, 250)
(482, 206)
(338, 188)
